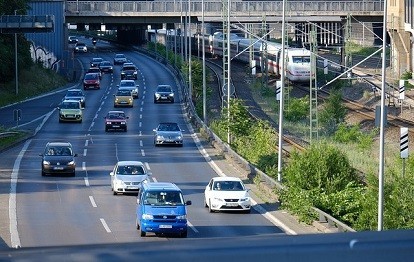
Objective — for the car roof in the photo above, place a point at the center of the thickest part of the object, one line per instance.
(119, 55)
(78, 43)
(74, 90)
(70, 101)
(129, 163)
(226, 178)
(97, 58)
(168, 123)
(127, 80)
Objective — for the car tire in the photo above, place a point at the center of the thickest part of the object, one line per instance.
(205, 203)
(137, 224)
(125, 129)
(155, 101)
(106, 129)
(247, 211)
(115, 193)
(73, 174)
(172, 101)
(43, 173)
(209, 207)
(142, 233)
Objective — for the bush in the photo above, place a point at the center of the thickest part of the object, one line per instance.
(298, 109)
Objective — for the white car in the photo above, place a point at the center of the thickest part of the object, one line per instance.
(129, 85)
(80, 48)
(127, 177)
(227, 194)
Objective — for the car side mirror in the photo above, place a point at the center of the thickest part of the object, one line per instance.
(40, 154)
(75, 155)
(127, 117)
(188, 203)
(154, 130)
(111, 174)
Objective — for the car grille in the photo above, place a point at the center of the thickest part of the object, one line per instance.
(164, 218)
(132, 183)
(232, 200)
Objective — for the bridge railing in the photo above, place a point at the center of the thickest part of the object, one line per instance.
(215, 6)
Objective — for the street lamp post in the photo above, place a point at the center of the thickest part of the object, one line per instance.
(15, 59)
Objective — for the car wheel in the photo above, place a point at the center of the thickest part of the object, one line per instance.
(106, 129)
(209, 207)
(115, 193)
(247, 211)
(137, 223)
(183, 234)
(142, 233)
(125, 129)
(155, 101)
(43, 173)
(172, 101)
(205, 202)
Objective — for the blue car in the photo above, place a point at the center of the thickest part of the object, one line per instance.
(161, 209)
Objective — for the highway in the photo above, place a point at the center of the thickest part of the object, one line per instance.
(60, 211)
(79, 219)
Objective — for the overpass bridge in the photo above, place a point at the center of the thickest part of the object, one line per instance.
(171, 11)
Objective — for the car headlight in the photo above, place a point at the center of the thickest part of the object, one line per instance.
(157, 95)
(245, 199)
(108, 122)
(71, 163)
(147, 216)
(159, 137)
(123, 123)
(171, 94)
(122, 73)
(182, 217)
(46, 163)
(179, 137)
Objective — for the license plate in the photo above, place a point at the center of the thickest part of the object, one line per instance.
(58, 168)
(116, 126)
(163, 97)
(165, 226)
(232, 204)
(132, 187)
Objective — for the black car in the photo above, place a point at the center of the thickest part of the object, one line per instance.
(129, 71)
(96, 61)
(106, 67)
(164, 93)
(58, 158)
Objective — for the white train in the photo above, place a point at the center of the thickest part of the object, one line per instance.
(297, 59)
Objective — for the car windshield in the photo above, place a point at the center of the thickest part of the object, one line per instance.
(91, 76)
(120, 56)
(130, 170)
(58, 151)
(127, 83)
(163, 198)
(168, 127)
(70, 105)
(97, 60)
(129, 68)
(164, 89)
(116, 116)
(228, 186)
(105, 63)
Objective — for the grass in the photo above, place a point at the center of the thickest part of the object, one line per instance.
(32, 82)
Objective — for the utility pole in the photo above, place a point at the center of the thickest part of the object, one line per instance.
(264, 63)
(15, 60)
(313, 88)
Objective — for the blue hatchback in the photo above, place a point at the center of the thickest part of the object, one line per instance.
(161, 209)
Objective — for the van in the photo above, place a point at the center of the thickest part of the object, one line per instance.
(161, 209)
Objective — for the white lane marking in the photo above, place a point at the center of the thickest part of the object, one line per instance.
(147, 166)
(14, 234)
(92, 201)
(155, 180)
(142, 102)
(105, 225)
(140, 124)
(85, 151)
(191, 226)
(140, 116)
(83, 166)
(86, 181)
(86, 142)
(140, 143)
(140, 133)
(92, 124)
(142, 152)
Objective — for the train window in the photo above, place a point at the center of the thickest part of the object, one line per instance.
(301, 59)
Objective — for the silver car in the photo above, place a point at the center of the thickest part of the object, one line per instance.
(76, 94)
(129, 85)
(127, 176)
(168, 134)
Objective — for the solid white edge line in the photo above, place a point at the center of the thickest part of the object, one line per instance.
(191, 226)
(14, 234)
(92, 201)
(105, 225)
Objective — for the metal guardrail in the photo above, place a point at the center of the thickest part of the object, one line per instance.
(7, 134)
